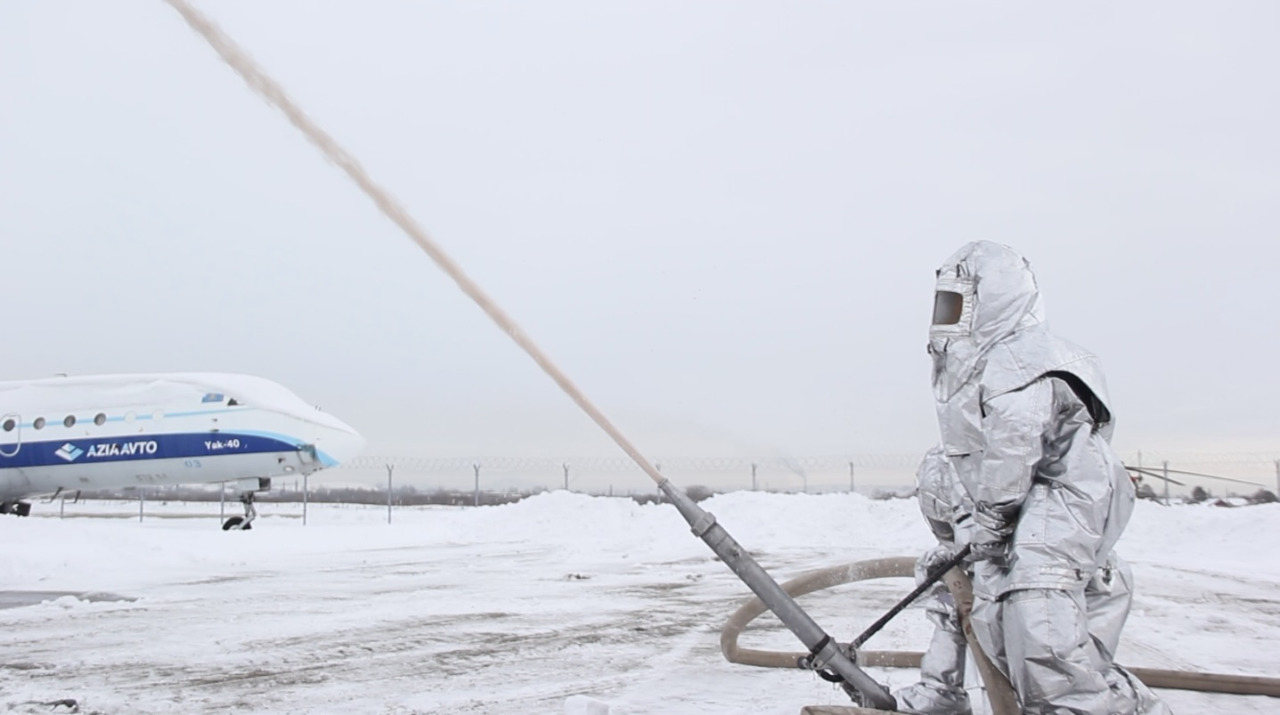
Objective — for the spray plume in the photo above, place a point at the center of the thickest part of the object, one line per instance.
(274, 94)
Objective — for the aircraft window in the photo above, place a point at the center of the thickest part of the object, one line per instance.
(130, 416)
(157, 415)
(9, 425)
(70, 421)
(39, 423)
(99, 419)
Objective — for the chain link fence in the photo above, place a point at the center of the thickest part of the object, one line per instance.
(866, 473)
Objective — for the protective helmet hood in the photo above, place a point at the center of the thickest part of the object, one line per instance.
(985, 292)
(934, 491)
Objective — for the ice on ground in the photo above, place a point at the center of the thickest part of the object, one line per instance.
(561, 603)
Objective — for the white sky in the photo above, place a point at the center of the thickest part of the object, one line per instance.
(720, 218)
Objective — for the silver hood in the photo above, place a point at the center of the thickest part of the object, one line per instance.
(999, 295)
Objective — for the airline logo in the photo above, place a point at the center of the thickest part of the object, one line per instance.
(123, 449)
(69, 452)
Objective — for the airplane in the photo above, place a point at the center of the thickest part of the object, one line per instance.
(65, 434)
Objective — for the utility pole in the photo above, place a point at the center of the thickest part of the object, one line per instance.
(306, 491)
(476, 467)
(1141, 476)
(753, 475)
(1166, 484)
(851, 489)
(1278, 477)
(390, 469)
(566, 476)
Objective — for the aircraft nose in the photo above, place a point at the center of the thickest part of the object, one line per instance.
(337, 444)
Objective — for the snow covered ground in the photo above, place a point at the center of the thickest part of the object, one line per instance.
(561, 603)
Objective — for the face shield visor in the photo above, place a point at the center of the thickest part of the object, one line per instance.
(947, 307)
(952, 308)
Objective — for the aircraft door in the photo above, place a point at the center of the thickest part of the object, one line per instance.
(10, 434)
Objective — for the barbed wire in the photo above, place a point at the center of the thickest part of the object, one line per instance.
(1152, 458)
(797, 465)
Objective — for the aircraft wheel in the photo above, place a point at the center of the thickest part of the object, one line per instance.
(232, 523)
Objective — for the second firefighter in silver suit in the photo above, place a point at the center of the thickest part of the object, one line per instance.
(941, 691)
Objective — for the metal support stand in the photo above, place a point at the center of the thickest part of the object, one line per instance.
(250, 513)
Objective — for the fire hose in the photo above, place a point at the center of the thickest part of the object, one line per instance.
(959, 584)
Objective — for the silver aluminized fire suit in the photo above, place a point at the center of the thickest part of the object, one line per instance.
(1025, 421)
(1108, 597)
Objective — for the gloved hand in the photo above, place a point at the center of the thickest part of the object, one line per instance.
(933, 559)
(941, 608)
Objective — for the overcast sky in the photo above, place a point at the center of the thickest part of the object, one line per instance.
(720, 218)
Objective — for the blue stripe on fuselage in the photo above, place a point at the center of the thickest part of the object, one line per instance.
(325, 459)
(141, 447)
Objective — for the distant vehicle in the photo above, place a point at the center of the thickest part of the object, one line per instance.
(65, 434)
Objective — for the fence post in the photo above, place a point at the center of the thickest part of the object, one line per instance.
(141, 499)
(305, 493)
(566, 476)
(476, 467)
(851, 489)
(753, 476)
(390, 468)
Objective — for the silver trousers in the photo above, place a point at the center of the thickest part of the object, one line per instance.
(1041, 639)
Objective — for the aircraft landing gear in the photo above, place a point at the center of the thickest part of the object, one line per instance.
(17, 508)
(242, 523)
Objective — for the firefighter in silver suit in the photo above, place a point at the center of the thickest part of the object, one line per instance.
(1025, 421)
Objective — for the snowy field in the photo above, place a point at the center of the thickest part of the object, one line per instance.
(561, 603)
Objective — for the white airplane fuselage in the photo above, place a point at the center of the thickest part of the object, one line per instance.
(112, 431)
